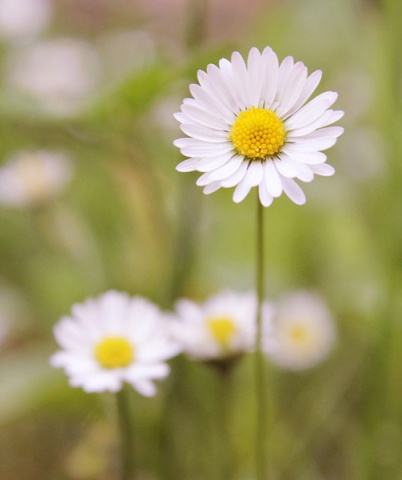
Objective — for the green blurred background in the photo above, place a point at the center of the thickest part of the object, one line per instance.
(129, 221)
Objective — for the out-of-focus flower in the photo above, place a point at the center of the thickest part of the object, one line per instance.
(111, 340)
(223, 327)
(249, 125)
(23, 18)
(31, 178)
(61, 74)
(300, 331)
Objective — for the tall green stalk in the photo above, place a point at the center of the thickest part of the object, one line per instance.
(262, 416)
(126, 434)
(224, 371)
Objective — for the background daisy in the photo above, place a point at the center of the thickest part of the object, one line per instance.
(111, 340)
(31, 178)
(300, 331)
(252, 125)
(222, 327)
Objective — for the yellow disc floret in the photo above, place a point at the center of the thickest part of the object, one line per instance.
(222, 329)
(299, 336)
(114, 352)
(257, 133)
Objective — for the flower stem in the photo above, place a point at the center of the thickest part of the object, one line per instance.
(126, 435)
(226, 454)
(259, 366)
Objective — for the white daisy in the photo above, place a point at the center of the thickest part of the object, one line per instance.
(300, 331)
(222, 327)
(60, 74)
(111, 340)
(31, 178)
(24, 18)
(249, 125)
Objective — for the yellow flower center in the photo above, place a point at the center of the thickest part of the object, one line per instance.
(299, 336)
(222, 329)
(257, 133)
(114, 352)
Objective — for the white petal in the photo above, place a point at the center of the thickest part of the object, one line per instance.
(204, 149)
(150, 371)
(188, 165)
(311, 84)
(325, 119)
(254, 174)
(228, 169)
(180, 117)
(311, 111)
(254, 63)
(324, 132)
(292, 88)
(212, 163)
(241, 78)
(100, 382)
(323, 169)
(188, 310)
(241, 191)
(283, 76)
(305, 144)
(205, 134)
(227, 75)
(270, 77)
(69, 335)
(309, 157)
(208, 101)
(236, 177)
(223, 88)
(284, 167)
(265, 197)
(301, 170)
(185, 142)
(272, 179)
(202, 117)
(212, 187)
(293, 191)
(144, 387)
(204, 179)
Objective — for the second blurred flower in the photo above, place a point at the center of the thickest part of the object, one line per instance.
(221, 328)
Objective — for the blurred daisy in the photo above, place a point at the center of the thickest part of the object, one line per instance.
(61, 74)
(23, 18)
(301, 331)
(221, 328)
(31, 178)
(111, 340)
(249, 125)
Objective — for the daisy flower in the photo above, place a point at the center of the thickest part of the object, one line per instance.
(61, 74)
(221, 328)
(300, 331)
(252, 125)
(111, 340)
(21, 19)
(31, 178)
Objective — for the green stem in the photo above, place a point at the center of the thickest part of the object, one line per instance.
(126, 434)
(259, 366)
(226, 456)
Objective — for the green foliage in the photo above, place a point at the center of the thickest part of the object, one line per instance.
(128, 221)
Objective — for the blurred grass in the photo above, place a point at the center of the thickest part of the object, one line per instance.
(130, 222)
